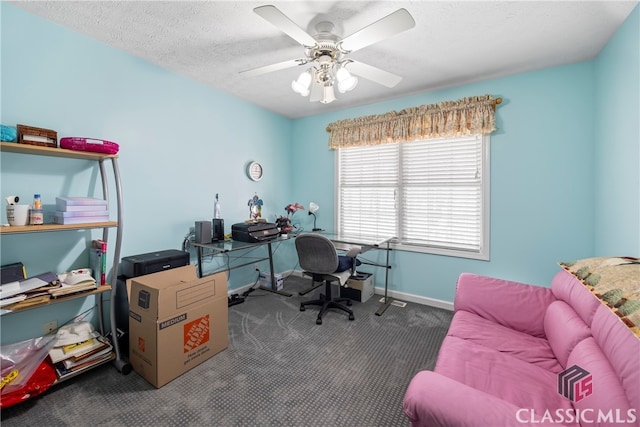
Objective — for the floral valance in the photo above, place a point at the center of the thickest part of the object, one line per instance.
(467, 116)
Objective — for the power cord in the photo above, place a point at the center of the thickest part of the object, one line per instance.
(252, 287)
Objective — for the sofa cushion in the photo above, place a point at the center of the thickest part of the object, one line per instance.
(434, 400)
(564, 329)
(480, 331)
(499, 374)
(622, 349)
(515, 305)
(567, 288)
(614, 282)
(607, 404)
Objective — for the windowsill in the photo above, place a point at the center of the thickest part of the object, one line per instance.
(440, 251)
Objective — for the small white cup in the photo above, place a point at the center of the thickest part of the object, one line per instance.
(18, 214)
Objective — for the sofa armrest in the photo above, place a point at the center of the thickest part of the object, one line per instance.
(515, 305)
(433, 400)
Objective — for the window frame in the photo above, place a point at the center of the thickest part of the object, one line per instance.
(485, 211)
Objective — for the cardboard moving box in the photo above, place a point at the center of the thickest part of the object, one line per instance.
(176, 322)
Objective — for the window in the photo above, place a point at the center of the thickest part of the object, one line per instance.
(433, 195)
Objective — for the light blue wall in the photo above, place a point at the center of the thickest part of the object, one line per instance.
(617, 168)
(541, 175)
(182, 142)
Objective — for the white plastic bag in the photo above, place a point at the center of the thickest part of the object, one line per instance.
(24, 357)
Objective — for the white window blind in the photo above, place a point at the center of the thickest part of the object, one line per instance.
(432, 195)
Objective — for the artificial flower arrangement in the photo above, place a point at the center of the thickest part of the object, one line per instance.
(284, 222)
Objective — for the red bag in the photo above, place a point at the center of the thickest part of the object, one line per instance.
(41, 380)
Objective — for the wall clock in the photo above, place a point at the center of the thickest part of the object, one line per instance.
(254, 171)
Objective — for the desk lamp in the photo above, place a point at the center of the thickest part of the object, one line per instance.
(312, 211)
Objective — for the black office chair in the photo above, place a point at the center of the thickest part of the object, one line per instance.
(319, 259)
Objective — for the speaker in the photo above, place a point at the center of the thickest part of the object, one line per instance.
(218, 229)
(203, 231)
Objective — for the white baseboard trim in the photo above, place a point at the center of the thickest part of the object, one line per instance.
(400, 296)
(246, 287)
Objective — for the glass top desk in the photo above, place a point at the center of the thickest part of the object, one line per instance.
(341, 241)
(367, 243)
(228, 245)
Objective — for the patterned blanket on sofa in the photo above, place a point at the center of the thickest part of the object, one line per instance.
(615, 281)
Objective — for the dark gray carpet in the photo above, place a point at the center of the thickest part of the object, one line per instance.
(280, 369)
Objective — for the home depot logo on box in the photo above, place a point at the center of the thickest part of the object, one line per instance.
(196, 333)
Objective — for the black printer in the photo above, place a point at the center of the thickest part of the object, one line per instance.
(153, 262)
(253, 232)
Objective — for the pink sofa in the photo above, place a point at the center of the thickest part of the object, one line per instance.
(514, 351)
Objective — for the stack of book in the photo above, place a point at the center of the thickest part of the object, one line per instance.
(28, 292)
(40, 289)
(75, 352)
(80, 210)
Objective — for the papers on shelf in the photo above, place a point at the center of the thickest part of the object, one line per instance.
(41, 288)
(74, 333)
(74, 281)
(78, 346)
(58, 354)
(12, 300)
(14, 288)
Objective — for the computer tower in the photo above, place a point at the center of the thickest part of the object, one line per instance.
(140, 265)
(218, 229)
(203, 232)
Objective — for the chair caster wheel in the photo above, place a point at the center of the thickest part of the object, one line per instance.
(351, 317)
(302, 308)
(318, 321)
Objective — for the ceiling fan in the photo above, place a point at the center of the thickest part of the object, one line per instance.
(325, 54)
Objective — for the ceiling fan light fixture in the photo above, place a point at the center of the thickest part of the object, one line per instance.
(328, 95)
(346, 80)
(325, 51)
(302, 83)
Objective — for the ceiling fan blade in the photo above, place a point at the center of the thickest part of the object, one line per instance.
(284, 24)
(273, 67)
(374, 74)
(397, 22)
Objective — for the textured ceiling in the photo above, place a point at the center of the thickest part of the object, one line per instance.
(453, 43)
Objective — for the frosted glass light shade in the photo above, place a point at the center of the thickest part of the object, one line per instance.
(346, 81)
(301, 85)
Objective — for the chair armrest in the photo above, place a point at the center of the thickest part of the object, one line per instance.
(515, 305)
(354, 252)
(433, 400)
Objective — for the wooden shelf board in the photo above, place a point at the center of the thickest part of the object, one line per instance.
(54, 227)
(98, 290)
(13, 147)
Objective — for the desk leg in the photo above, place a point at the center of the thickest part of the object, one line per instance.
(273, 276)
(387, 301)
(199, 258)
